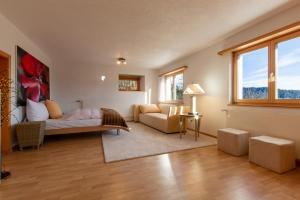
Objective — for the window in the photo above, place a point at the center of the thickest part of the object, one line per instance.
(129, 83)
(169, 88)
(174, 87)
(268, 73)
(171, 85)
(253, 74)
(179, 86)
(288, 69)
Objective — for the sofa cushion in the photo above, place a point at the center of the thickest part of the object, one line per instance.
(155, 121)
(164, 108)
(157, 115)
(149, 108)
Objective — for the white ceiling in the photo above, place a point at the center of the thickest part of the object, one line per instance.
(149, 33)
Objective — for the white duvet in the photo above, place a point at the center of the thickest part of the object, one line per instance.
(86, 113)
(78, 118)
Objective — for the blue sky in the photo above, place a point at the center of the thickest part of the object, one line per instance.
(255, 66)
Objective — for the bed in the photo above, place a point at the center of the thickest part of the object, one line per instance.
(81, 122)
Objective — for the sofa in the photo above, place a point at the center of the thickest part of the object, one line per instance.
(163, 117)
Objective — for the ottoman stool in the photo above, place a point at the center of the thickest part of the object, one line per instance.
(233, 141)
(272, 153)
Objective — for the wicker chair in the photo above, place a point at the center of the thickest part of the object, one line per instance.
(30, 134)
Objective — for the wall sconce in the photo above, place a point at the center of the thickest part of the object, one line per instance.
(80, 103)
(103, 77)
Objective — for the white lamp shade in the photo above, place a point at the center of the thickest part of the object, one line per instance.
(194, 89)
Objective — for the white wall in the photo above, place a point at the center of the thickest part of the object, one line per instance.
(75, 81)
(213, 73)
(209, 71)
(10, 36)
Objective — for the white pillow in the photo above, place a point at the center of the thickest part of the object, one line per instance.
(36, 111)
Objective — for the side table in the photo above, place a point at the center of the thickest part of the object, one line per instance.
(30, 134)
(182, 120)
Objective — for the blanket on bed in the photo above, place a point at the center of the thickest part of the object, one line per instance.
(112, 119)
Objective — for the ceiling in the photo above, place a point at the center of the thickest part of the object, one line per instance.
(148, 33)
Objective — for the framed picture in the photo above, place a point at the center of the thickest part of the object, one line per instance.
(32, 78)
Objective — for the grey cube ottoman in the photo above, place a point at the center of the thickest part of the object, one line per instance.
(233, 141)
(273, 153)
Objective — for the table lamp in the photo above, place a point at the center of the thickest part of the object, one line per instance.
(193, 90)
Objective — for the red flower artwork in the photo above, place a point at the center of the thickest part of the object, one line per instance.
(33, 78)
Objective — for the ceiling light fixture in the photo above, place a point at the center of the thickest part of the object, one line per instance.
(121, 61)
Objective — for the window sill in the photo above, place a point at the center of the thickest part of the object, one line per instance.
(131, 91)
(178, 102)
(270, 105)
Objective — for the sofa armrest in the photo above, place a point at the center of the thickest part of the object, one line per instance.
(183, 109)
(173, 123)
(136, 112)
(176, 110)
(173, 111)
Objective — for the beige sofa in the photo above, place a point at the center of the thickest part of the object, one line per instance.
(163, 117)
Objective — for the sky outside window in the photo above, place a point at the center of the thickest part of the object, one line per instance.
(253, 74)
(288, 69)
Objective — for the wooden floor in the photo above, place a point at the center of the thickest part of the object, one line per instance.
(72, 167)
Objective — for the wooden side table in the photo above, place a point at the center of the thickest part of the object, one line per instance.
(30, 134)
(182, 121)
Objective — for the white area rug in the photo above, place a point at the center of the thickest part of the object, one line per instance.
(145, 141)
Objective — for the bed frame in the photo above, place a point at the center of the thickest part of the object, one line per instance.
(111, 120)
(81, 130)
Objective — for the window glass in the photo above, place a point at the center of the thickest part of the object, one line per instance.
(252, 74)
(169, 88)
(288, 69)
(179, 86)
